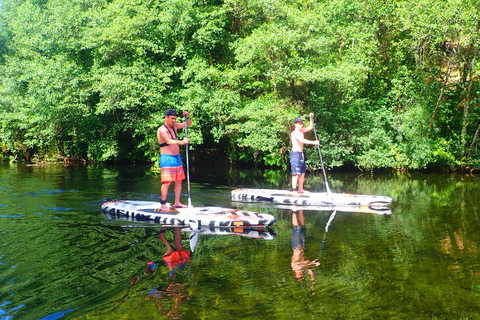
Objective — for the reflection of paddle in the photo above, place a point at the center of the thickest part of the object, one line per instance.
(192, 219)
(325, 234)
(193, 243)
(321, 160)
(324, 237)
(193, 239)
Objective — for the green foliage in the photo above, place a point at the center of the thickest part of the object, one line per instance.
(261, 129)
(392, 84)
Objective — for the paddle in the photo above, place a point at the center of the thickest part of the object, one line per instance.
(321, 160)
(192, 219)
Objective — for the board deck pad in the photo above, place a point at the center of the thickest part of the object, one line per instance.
(149, 211)
(318, 199)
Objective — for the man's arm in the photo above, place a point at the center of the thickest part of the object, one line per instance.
(182, 125)
(162, 132)
(310, 127)
(301, 139)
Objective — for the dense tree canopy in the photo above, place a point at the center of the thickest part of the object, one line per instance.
(392, 84)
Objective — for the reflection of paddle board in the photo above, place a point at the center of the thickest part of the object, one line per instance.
(257, 233)
(294, 207)
(319, 199)
(149, 211)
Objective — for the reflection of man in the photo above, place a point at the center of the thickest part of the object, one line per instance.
(300, 265)
(175, 293)
(175, 258)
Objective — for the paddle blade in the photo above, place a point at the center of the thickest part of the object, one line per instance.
(192, 217)
(193, 240)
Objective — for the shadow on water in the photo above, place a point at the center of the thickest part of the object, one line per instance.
(62, 258)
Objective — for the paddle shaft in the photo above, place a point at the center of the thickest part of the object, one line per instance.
(188, 166)
(321, 160)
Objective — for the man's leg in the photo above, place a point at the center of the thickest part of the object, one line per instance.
(164, 193)
(297, 218)
(294, 182)
(178, 240)
(301, 179)
(178, 192)
(163, 238)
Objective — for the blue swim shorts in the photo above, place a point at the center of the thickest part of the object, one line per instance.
(171, 168)
(297, 162)
(298, 237)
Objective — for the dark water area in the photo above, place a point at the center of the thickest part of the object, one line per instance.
(61, 258)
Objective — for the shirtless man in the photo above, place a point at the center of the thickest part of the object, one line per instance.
(297, 158)
(170, 161)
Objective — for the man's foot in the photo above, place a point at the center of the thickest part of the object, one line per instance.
(303, 191)
(164, 208)
(180, 205)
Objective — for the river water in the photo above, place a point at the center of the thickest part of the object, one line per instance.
(61, 258)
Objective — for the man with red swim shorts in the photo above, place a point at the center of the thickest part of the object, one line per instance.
(170, 161)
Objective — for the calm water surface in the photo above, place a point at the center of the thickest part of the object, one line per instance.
(61, 258)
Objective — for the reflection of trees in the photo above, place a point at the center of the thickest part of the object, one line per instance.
(420, 255)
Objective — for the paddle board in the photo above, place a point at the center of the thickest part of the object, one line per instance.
(149, 211)
(318, 199)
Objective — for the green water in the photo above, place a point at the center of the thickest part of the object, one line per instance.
(61, 258)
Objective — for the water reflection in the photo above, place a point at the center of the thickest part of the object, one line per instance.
(302, 267)
(177, 284)
(421, 262)
(170, 298)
